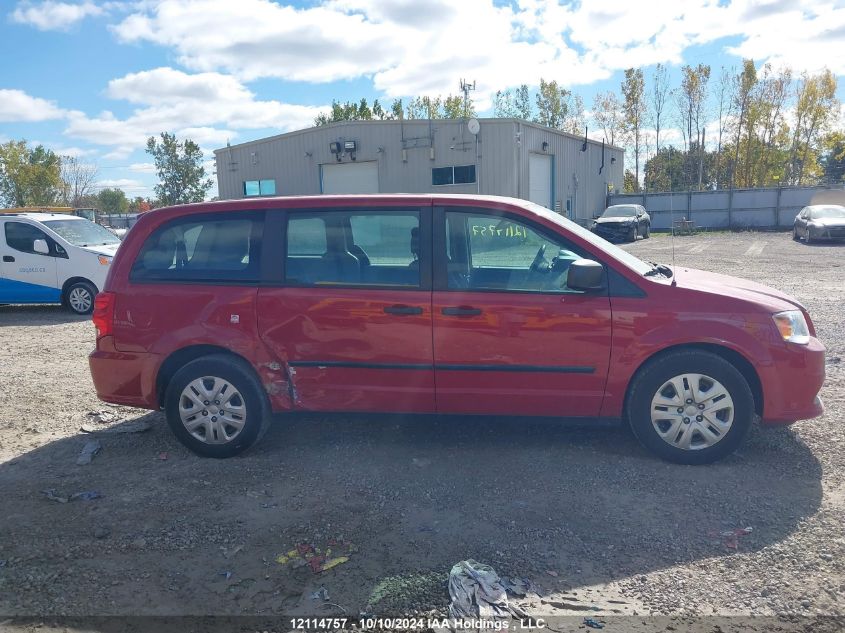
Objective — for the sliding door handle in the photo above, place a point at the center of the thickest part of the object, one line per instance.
(403, 310)
(461, 311)
(8, 258)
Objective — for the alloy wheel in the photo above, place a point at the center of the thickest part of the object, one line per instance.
(80, 300)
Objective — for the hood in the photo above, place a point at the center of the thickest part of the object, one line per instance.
(828, 222)
(615, 220)
(105, 249)
(736, 288)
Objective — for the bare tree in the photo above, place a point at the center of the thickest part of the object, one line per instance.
(633, 107)
(657, 99)
(607, 112)
(78, 180)
(723, 92)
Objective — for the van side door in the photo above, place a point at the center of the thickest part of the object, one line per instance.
(509, 336)
(27, 276)
(349, 316)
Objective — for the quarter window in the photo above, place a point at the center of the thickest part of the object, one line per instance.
(21, 237)
(350, 248)
(505, 254)
(209, 249)
(259, 188)
(456, 175)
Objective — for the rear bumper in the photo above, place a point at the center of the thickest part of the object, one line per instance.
(126, 378)
(792, 383)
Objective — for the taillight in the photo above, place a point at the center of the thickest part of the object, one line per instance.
(103, 315)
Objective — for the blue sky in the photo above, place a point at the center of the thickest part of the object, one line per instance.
(94, 79)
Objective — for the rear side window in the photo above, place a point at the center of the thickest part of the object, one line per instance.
(222, 247)
(354, 248)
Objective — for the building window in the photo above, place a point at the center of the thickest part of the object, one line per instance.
(457, 175)
(259, 188)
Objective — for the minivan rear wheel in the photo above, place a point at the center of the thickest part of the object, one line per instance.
(216, 407)
(690, 407)
(79, 297)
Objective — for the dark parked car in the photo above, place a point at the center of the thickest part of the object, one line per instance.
(623, 222)
(820, 222)
(221, 313)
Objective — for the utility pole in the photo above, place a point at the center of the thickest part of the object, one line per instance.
(466, 88)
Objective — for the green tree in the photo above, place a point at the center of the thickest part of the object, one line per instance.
(113, 200)
(833, 161)
(29, 176)
(633, 111)
(180, 172)
(513, 103)
(816, 109)
(552, 104)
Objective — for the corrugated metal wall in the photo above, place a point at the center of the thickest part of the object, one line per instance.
(738, 209)
(500, 153)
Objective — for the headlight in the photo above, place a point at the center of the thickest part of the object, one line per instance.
(792, 326)
(104, 261)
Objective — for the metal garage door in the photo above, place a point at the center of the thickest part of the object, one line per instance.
(540, 179)
(349, 177)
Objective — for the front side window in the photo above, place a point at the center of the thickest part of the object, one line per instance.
(21, 237)
(457, 175)
(354, 248)
(208, 249)
(259, 188)
(494, 252)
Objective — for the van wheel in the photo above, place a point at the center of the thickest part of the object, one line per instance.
(690, 407)
(215, 406)
(79, 297)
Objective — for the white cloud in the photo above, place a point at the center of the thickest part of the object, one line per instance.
(143, 168)
(54, 16)
(209, 108)
(129, 185)
(17, 106)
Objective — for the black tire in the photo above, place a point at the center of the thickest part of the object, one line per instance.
(79, 297)
(242, 377)
(795, 235)
(647, 233)
(635, 231)
(657, 372)
(807, 238)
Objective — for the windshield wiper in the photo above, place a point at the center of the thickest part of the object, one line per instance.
(658, 269)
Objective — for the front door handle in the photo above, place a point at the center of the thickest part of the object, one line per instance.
(8, 258)
(403, 310)
(461, 311)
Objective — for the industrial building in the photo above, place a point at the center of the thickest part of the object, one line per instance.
(507, 157)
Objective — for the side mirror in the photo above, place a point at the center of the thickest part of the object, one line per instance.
(40, 247)
(585, 275)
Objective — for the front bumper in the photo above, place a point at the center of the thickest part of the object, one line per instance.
(828, 233)
(613, 232)
(791, 384)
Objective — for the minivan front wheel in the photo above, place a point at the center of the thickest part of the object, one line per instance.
(690, 407)
(79, 297)
(216, 407)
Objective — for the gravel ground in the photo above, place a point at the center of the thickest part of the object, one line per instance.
(597, 524)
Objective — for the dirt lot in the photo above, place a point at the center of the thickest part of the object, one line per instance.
(586, 515)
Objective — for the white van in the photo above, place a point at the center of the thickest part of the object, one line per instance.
(53, 258)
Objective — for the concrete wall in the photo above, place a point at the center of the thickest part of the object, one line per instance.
(404, 152)
(738, 209)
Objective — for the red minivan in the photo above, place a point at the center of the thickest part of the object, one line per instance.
(223, 313)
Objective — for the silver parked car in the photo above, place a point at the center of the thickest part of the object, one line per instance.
(819, 222)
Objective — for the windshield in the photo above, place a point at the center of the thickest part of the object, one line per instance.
(82, 232)
(614, 251)
(619, 212)
(827, 212)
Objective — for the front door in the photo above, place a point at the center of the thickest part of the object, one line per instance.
(351, 318)
(26, 276)
(509, 336)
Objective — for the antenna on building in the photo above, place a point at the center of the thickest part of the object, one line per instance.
(466, 88)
